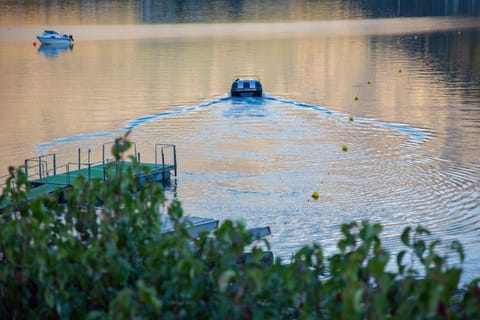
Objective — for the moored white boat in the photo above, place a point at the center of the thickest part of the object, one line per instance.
(50, 37)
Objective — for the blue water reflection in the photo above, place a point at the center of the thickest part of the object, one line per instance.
(192, 11)
(246, 107)
(52, 51)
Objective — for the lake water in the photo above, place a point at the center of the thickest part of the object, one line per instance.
(163, 70)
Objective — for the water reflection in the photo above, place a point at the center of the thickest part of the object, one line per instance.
(191, 11)
(53, 51)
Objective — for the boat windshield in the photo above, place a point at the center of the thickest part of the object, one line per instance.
(50, 32)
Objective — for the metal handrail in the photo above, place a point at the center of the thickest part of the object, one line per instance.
(162, 148)
(42, 165)
(112, 142)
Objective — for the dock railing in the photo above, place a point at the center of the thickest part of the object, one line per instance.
(41, 167)
(89, 170)
(3, 181)
(168, 149)
(105, 160)
(36, 169)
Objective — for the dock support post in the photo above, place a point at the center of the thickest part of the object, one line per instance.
(103, 161)
(163, 159)
(40, 167)
(68, 174)
(175, 159)
(26, 168)
(79, 157)
(89, 165)
(54, 164)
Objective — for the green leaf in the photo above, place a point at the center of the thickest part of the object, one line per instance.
(224, 279)
(49, 298)
(405, 237)
(419, 248)
(421, 230)
(457, 246)
(401, 266)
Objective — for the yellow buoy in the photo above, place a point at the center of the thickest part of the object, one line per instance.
(399, 70)
(345, 147)
(350, 118)
(315, 195)
(369, 82)
(356, 98)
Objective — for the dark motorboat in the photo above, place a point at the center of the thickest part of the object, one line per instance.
(246, 87)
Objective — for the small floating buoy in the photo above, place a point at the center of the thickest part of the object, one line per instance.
(399, 70)
(350, 118)
(369, 82)
(356, 98)
(315, 195)
(345, 147)
(34, 43)
(415, 37)
(459, 32)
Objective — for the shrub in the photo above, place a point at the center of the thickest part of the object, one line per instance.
(74, 260)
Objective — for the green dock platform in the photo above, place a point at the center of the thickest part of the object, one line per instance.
(46, 176)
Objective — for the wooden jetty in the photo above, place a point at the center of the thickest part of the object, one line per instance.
(46, 176)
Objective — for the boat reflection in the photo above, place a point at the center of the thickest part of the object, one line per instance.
(54, 50)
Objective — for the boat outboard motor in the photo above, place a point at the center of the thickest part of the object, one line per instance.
(71, 37)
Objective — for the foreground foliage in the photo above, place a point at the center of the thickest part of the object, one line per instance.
(73, 260)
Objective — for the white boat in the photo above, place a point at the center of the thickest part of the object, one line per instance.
(50, 37)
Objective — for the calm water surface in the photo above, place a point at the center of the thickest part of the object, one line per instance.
(164, 73)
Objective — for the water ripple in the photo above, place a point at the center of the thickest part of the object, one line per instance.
(132, 124)
(417, 135)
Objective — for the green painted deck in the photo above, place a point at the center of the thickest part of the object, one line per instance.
(98, 171)
(37, 191)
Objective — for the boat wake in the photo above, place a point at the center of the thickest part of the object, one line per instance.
(43, 148)
(416, 135)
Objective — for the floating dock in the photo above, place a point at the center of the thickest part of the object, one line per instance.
(46, 176)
